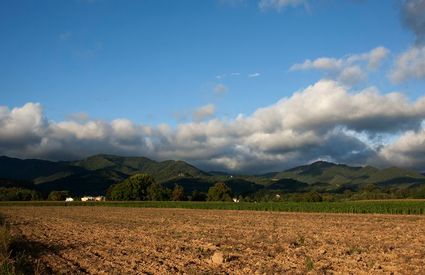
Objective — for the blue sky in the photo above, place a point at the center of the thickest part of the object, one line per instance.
(131, 59)
(157, 62)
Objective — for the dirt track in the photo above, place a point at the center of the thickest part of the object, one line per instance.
(102, 240)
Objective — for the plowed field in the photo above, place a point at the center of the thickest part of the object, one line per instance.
(112, 240)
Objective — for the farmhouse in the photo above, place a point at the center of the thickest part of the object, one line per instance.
(100, 198)
(90, 198)
(69, 199)
(87, 198)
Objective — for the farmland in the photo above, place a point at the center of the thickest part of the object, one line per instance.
(416, 207)
(97, 240)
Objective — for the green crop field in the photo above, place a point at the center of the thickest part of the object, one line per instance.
(379, 207)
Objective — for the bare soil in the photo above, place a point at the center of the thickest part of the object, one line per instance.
(103, 240)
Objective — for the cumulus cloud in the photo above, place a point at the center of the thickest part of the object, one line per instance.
(280, 4)
(204, 112)
(350, 69)
(352, 75)
(409, 65)
(406, 151)
(22, 125)
(323, 121)
(374, 57)
(198, 114)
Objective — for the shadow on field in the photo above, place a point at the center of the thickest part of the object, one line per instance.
(26, 256)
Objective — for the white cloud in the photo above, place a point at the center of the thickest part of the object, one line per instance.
(322, 63)
(409, 65)
(223, 76)
(407, 151)
(254, 75)
(204, 112)
(376, 56)
(351, 75)
(350, 69)
(280, 4)
(323, 121)
(25, 124)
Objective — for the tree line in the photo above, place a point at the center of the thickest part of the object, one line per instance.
(144, 187)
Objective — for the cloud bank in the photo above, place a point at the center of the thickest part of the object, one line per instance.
(411, 63)
(350, 69)
(280, 4)
(324, 121)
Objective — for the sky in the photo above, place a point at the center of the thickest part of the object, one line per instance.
(249, 86)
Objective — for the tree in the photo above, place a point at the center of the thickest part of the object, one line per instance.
(178, 193)
(220, 192)
(312, 196)
(157, 192)
(370, 187)
(58, 195)
(18, 194)
(198, 196)
(132, 188)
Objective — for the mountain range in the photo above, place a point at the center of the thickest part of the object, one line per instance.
(93, 175)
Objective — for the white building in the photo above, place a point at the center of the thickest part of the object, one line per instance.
(100, 198)
(69, 199)
(90, 198)
(86, 198)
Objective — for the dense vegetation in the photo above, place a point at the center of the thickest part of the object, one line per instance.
(18, 194)
(219, 192)
(114, 177)
(134, 188)
(58, 195)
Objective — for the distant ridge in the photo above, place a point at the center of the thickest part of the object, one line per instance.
(340, 174)
(94, 175)
(162, 171)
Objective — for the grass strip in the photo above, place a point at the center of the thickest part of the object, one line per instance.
(355, 207)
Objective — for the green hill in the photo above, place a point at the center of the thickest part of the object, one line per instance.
(389, 175)
(288, 185)
(84, 183)
(8, 183)
(161, 171)
(93, 175)
(30, 169)
(339, 175)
